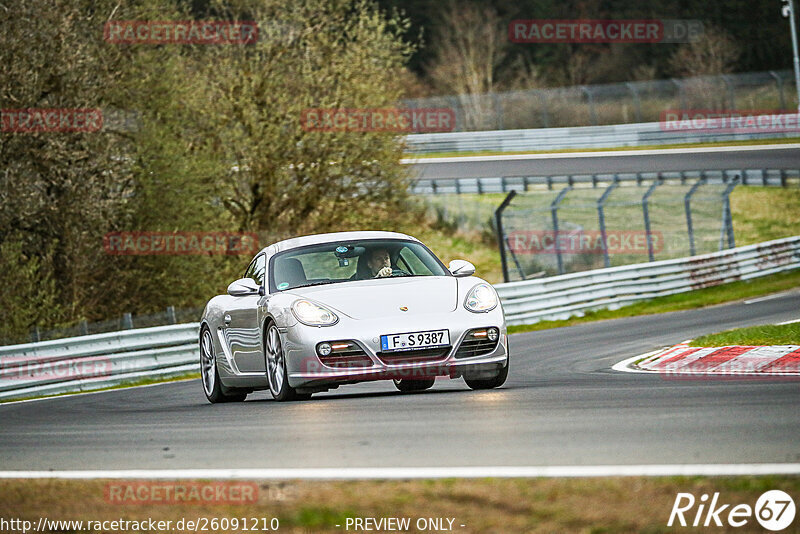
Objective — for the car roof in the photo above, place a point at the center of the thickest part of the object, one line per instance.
(295, 242)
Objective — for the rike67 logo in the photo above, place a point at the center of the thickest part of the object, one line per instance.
(774, 510)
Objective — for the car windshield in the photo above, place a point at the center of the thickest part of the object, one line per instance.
(349, 261)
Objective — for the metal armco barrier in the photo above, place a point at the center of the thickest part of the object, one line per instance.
(560, 297)
(612, 136)
(505, 184)
(91, 362)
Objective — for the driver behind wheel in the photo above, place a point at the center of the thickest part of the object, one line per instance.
(380, 263)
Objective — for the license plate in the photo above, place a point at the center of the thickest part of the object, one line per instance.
(415, 340)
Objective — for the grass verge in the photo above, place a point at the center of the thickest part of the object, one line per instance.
(759, 142)
(683, 301)
(768, 334)
(593, 505)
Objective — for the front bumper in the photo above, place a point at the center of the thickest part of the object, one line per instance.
(306, 369)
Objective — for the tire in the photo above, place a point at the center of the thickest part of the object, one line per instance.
(490, 383)
(275, 363)
(407, 385)
(212, 385)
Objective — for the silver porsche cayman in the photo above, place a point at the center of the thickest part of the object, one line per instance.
(316, 312)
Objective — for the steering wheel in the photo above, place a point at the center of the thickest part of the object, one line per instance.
(399, 272)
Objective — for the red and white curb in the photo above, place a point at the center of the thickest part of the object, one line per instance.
(683, 361)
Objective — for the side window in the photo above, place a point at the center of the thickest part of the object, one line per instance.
(414, 263)
(257, 269)
(250, 270)
(260, 269)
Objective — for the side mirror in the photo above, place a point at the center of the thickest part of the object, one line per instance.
(244, 287)
(461, 268)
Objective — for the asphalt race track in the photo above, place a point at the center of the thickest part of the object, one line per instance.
(599, 163)
(562, 405)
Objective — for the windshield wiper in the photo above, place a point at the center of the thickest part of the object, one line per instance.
(317, 284)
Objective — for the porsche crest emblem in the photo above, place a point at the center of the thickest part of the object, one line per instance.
(403, 308)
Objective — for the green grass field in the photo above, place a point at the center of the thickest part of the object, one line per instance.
(682, 301)
(787, 334)
(541, 505)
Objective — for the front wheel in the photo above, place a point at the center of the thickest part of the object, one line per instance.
(406, 384)
(276, 368)
(490, 383)
(212, 385)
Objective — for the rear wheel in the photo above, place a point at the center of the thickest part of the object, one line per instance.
(277, 376)
(212, 385)
(492, 382)
(406, 384)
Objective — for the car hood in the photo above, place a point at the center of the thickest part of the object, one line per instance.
(371, 299)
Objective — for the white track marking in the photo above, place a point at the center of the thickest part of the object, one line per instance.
(788, 322)
(762, 299)
(604, 154)
(625, 365)
(384, 473)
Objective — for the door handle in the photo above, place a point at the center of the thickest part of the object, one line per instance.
(227, 319)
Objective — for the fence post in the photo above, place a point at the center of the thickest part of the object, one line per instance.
(171, 315)
(779, 83)
(687, 205)
(681, 92)
(498, 111)
(731, 90)
(554, 212)
(35, 335)
(646, 213)
(637, 102)
(501, 238)
(127, 321)
(727, 219)
(84, 328)
(590, 99)
(545, 114)
(602, 219)
(458, 111)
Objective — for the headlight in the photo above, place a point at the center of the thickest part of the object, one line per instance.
(312, 314)
(482, 298)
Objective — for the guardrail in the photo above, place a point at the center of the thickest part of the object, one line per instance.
(613, 136)
(91, 362)
(506, 184)
(561, 297)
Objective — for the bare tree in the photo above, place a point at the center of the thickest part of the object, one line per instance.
(469, 48)
(716, 53)
(705, 61)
